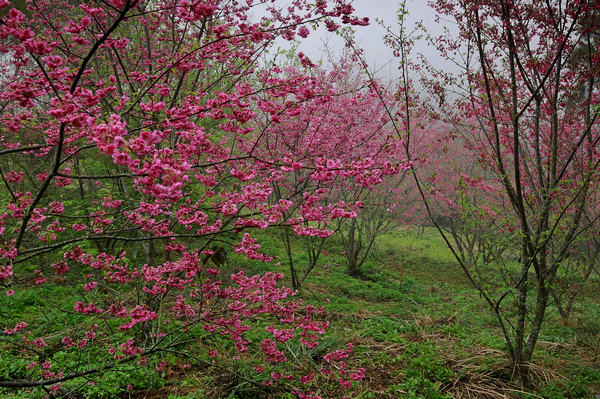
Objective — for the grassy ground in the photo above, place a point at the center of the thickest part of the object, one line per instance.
(421, 331)
(418, 328)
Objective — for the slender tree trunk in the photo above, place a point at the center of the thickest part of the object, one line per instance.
(313, 258)
(564, 315)
(288, 249)
(538, 319)
(351, 250)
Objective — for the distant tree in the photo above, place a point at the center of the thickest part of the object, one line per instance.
(346, 128)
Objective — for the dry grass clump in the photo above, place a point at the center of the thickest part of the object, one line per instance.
(485, 374)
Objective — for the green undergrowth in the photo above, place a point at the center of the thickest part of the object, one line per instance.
(424, 332)
(418, 329)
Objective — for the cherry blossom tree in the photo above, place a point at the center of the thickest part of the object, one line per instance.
(132, 149)
(346, 128)
(527, 112)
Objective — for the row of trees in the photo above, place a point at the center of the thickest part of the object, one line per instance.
(143, 140)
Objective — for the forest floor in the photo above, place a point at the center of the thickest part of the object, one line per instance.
(421, 331)
(418, 329)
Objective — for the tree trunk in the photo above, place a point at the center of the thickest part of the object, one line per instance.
(351, 252)
(288, 249)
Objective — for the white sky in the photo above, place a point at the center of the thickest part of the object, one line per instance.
(370, 38)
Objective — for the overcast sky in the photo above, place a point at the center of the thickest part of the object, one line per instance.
(370, 38)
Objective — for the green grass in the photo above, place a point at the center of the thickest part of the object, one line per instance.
(418, 328)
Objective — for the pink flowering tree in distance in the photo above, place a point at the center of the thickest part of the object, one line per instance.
(525, 109)
(345, 128)
(137, 139)
(418, 138)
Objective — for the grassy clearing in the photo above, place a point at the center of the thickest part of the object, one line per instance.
(418, 329)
